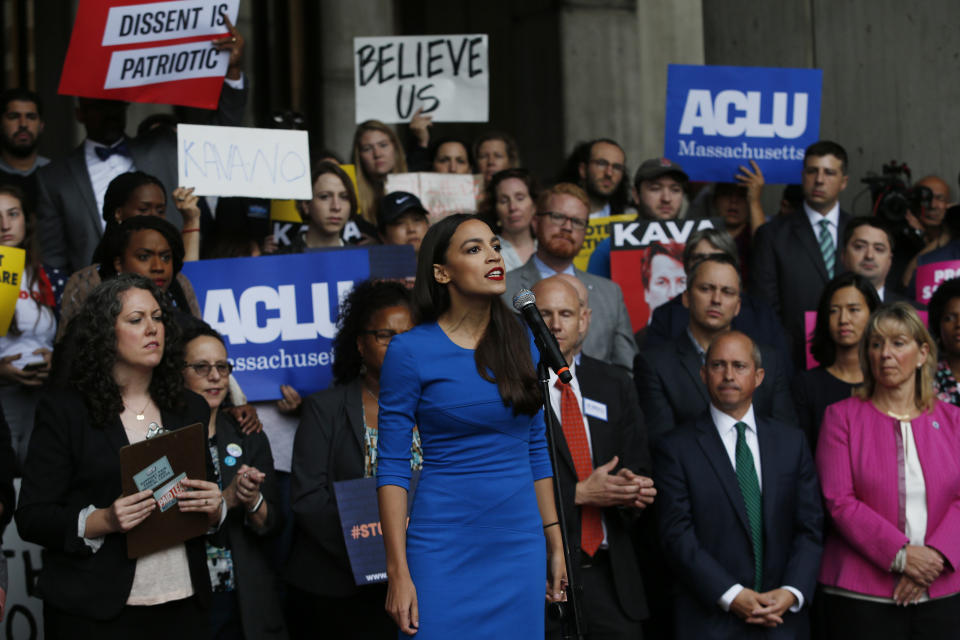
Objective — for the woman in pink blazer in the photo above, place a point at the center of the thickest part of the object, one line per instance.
(889, 464)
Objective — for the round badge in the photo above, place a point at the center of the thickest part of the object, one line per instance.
(234, 449)
(229, 461)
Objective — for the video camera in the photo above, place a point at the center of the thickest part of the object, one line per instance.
(893, 197)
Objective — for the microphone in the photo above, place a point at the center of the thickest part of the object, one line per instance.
(526, 303)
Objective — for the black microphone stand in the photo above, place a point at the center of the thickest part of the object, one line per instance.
(567, 612)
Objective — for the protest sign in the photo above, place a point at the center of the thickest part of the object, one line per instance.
(360, 521)
(244, 161)
(23, 610)
(931, 276)
(719, 118)
(11, 271)
(646, 260)
(440, 193)
(448, 76)
(278, 314)
(149, 51)
(598, 229)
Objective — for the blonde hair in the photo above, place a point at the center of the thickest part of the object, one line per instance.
(561, 188)
(904, 317)
(369, 188)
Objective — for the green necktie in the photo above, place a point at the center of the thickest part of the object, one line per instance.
(827, 247)
(750, 488)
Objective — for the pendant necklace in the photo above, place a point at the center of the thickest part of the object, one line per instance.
(140, 414)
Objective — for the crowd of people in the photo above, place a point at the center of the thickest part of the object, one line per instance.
(714, 485)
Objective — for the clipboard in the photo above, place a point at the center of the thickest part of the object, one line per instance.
(184, 451)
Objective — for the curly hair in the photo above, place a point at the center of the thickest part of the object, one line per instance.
(93, 337)
(357, 309)
(938, 306)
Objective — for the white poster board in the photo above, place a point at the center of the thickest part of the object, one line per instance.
(440, 193)
(243, 161)
(446, 75)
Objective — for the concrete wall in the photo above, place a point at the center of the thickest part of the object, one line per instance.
(890, 72)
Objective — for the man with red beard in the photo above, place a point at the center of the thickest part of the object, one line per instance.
(560, 226)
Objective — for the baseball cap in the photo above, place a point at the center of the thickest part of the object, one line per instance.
(393, 205)
(656, 167)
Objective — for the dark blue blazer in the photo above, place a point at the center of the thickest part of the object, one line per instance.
(756, 319)
(703, 526)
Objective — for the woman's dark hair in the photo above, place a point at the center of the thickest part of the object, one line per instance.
(191, 328)
(29, 245)
(938, 306)
(503, 354)
(822, 347)
(357, 309)
(324, 167)
(94, 351)
(116, 240)
(533, 187)
(435, 148)
(122, 187)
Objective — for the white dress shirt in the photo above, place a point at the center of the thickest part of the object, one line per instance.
(555, 405)
(102, 172)
(726, 428)
(832, 216)
(548, 272)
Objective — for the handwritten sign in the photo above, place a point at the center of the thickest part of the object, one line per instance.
(278, 314)
(362, 533)
(122, 50)
(646, 260)
(598, 230)
(440, 193)
(243, 161)
(931, 276)
(447, 76)
(719, 118)
(11, 271)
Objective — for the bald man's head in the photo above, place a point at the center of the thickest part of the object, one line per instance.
(584, 295)
(933, 217)
(562, 312)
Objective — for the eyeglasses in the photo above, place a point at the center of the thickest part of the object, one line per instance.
(559, 218)
(382, 336)
(202, 369)
(603, 165)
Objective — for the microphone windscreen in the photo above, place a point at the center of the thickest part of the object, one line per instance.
(523, 298)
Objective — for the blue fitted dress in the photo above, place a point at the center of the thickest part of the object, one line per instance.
(475, 543)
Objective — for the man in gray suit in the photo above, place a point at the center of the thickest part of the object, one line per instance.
(560, 226)
(70, 194)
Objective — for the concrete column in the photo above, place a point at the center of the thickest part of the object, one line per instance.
(615, 55)
(339, 22)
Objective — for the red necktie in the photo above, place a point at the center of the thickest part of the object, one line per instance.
(591, 531)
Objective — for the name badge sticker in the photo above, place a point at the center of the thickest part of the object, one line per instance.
(595, 409)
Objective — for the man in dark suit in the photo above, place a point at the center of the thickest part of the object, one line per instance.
(795, 256)
(868, 251)
(70, 190)
(756, 318)
(560, 226)
(739, 510)
(667, 376)
(603, 471)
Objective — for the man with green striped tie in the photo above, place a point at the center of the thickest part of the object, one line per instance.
(740, 516)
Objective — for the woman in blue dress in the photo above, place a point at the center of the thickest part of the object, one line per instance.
(482, 540)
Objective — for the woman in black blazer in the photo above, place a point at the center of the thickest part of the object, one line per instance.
(337, 440)
(124, 384)
(246, 601)
(845, 306)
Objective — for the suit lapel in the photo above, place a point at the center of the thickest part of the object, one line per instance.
(803, 232)
(690, 360)
(768, 459)
(716, 454)
(116, 434)
(77, 165)
(599, 430)
(354, 405)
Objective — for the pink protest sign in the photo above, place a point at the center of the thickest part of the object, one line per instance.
(931, 276)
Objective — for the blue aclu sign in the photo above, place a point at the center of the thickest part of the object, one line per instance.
(719, 118)
(278, 314)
